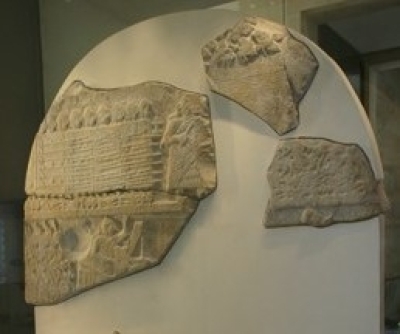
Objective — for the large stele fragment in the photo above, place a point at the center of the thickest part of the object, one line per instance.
(319, 182)
(261, 66)
(113, 177)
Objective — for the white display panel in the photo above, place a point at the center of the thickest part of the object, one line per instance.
(227, 273)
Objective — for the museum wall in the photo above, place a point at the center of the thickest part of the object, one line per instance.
(367, 37)
(21, 92)
(20, 115)
(70, 29)
(64, 21)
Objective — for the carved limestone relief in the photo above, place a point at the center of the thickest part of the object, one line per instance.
(114, 175)
(260, 65)
(319, 182)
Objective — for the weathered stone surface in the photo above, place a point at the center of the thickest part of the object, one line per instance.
(113, 177)
(261, 66)
(319, 182)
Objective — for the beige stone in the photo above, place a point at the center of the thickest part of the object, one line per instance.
(261, 66)
(319, 182)
(114, 175)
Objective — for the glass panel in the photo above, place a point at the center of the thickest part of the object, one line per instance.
(15, 316)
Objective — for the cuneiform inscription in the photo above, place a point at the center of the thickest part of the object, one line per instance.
(319, 182)
(155, 137)
(114, 175)
(142, 203)
(260, 65)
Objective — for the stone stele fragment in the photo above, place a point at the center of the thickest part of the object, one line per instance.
(319, 182)
(113, 177)
(261, 66)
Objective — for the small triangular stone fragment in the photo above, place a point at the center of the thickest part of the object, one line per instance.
(260, 65)
(320, 182)
(114, 176)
